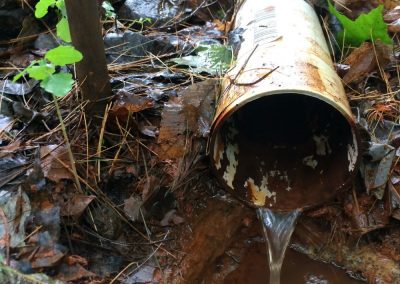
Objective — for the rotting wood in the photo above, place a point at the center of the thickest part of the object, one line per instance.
(92, 73)
(211, 235)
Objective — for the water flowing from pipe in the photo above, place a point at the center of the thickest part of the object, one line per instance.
(278, 228)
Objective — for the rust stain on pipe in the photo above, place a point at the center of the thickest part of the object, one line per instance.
(284, 139)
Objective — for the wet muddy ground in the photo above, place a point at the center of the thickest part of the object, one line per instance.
(297, 269)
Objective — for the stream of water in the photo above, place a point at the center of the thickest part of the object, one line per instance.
(278, 228)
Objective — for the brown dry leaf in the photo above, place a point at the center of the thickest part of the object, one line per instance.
(132, 206)
(392, 15)
(21, 60)
(354, 8)
(147, 185)
(47, 258)
(390, 4)
(392, 18)
(364, 60)
(53, 169)
(73, 273)
(171, 217)
(366, 213)
(222, 26)
(133, 103)
(191, 112)
(171, 138)
(10, 148)
(75, 259)
(75, 206)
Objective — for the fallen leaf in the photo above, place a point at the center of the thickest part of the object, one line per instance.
(16, 208)
(74, 272)
(132, 207)
(54, 162)
(47, 257)
(75, 259)
(75, 206)
(364, 60)
(132, 103)
(171, 217)
(147, 185)
(10, 148)
(189, 114)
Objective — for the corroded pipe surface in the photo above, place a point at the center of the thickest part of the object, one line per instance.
(283, 136)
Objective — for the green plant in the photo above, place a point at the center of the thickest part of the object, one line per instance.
(44, 70)
(209, 58)
(108, 9)
(369, 26)
(141, 22)
(57, 83)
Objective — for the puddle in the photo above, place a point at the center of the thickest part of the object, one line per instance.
(297, 269)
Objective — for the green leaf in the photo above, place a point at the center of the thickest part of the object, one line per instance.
(19, 75)
(61, 6)
(58, 84)
(63, 30)
(42, 7)
(213, 59)
(23, 72)
(41, 72)
(108, 9)
(63, 55)
(369, 26)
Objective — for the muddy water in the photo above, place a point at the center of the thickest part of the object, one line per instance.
(297, 269)
(278, 228)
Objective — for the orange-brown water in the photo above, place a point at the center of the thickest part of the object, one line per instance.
(297, 269)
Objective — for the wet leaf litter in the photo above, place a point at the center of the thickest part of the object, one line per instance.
(150, 210)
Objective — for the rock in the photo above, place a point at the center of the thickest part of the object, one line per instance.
(158, 11)
(45, 41)
(123, 47)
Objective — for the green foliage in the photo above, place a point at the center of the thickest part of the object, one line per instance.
(42, 7)
(58, 84)
(63, 30)
(41, 10)
(108, 9)
(60, 4)
(140, 21)
(41, 70)
(44, 70)
(369, 26)
(63, 55)
(213, 59)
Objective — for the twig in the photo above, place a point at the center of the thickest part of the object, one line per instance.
(256, 81)
(6, 235)
(101, 136)
(68, 145)
(122, 271)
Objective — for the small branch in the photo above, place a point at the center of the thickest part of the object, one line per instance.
(70, 154)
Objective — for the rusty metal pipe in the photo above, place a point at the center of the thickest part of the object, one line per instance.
(283, 136)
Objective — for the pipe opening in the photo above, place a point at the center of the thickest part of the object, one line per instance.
(285, 151)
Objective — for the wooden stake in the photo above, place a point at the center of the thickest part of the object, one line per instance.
(92, 73)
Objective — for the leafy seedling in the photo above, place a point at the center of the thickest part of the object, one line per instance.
(44, 70)
(212, 59)
(366, 27)
(109, 11)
